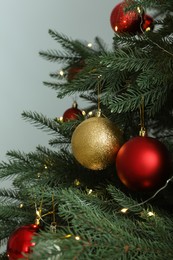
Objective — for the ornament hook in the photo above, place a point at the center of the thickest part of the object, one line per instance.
(98, 96)
(142, 131)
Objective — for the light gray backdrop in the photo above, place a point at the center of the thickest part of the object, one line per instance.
(24, 28)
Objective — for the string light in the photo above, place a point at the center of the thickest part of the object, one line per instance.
(148, 29)
(60, 119)
(90, 191)
(21, 205)
(83, 113)
(139, 9)
(90, 113)
(61, 73)
(155, 194)
(77, 182)
(68, 236)
(151, 214)
(77, 237)
(89, 45)
(38, 174)
(124, 210)
(45, 166)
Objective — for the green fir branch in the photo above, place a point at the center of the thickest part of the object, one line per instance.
(7, 195)
(123, 200)
(56, 86)
(100, 45)
(40, 121)
(58, 56)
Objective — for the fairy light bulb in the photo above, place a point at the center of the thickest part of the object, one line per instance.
(60, 119)
(61, 73)
(83, 113)
(68, 236)
(90, 45)
(21, 205)
(90, 191)
(151, 214)
(77, 237)
(77, 182)
(139, 9)
(38, 175)
(124, 210)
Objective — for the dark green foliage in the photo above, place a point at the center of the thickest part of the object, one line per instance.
(88, 204)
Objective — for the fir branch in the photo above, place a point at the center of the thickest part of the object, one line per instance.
(18, 156)
(56, 86)
(59, 141)
(65, 41)
(101, 45)
(7, 195)
(130, 59)
(123, 200)
(58, 56)
(13, 212)
(75, 47)
(40, 121)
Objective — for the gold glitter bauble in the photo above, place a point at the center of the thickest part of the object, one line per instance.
(95, 143)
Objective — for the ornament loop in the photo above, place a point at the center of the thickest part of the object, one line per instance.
(99, 92)
(53, 227)
(142, 131)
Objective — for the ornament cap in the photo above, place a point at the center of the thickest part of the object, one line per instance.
(74, 105)
(142, 132)
(99, 113)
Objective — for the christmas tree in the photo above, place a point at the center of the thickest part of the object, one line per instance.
(103, 190)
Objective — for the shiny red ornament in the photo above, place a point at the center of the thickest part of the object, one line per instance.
(20, 241)
(72, 113)
(123, 21)
(148, 23)
(143, 163)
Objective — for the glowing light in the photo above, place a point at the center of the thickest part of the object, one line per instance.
(68, 236)
(83, 113)
(90, 113)
(21, 205)
(148, 29)
(76, 182)
(45, 166)
(77, 238)
(61, 73)
(60, 119)
(124, 210)
(90, 191)
(90, 45)
(38, 174)
(138, 9)
(151, 214)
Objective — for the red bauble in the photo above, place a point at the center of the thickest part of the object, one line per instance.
(125, 21)
(75, 69)
(148, 23)
(72, 113)
(143, 163)
(20, 241)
